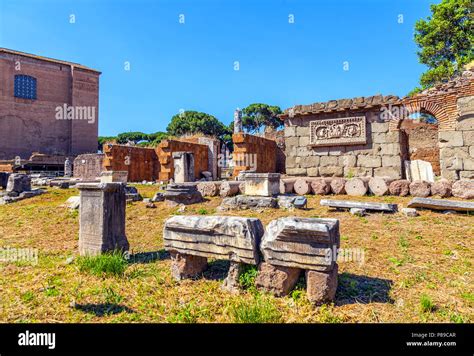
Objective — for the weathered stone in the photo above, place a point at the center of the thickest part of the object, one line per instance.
(288, 201)
(379, 137)
(450, 139)
(208, 189)
(400, 187)
(389, 172)
(302, 131)
(331, 171)
(182, 194)
(321, 286)
(350, 172)
(391, 161)
(102, 218)
(302, 186)
(465, 124)
(379, 185)
(441, 204)
(183, 167)
(296, 171)
(290, 131)
(466, 175)
(18, 182)
(369, 161)
(114, 177)
(468, 164)
(231, 282)
(262, 184)
(185, 266)
(468, 138)
(73, 202)
(310, 162)
(420, 188)
(347, 161)
(303, 141)
(410, 212)
(229, 188)
(328, 161)
(418, 170)
(448, 152)
(158, 197)
(442, 188)
(452, 163)
(301, 243)
(347, 204)
(320, 186)
(449, 175)
(356, 187)
(244, 202)
(464, 189)
(389, 149)
(313, 172)
(31, 193)
(379, 127)
(338, 186)
(277, 280)
(358, 212)
(223, 237)
(336, 151)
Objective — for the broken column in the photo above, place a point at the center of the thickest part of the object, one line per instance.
(300, 244)
(183, 167)
(18, 183)
(67, 168)
(193, 239)
(102, 218)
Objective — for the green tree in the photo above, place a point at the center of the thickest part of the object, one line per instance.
(154, 139)
(445, 40)
(131, 136)
(191, 122)
(258, 116)
(104, 139)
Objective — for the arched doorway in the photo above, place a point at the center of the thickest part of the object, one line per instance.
(419, 139)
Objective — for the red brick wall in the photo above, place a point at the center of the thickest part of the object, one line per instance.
(29, 126)
(249, 148)
(140, 163)
(165, 151)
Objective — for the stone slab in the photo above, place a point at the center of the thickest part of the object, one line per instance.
(347, 204)
(440, 204)
(304, 243)
(262, 184)
(222, 237)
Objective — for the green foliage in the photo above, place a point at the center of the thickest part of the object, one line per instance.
(134, 137)
(192, 122)
(108, 264)
(247, 276)
(112, 297)
(445, 40)
(104, 139)
(426, 304)
(28, 296)
(154, 139)
(202, 211)
(186, 313)
(259, 310)
(258, 116)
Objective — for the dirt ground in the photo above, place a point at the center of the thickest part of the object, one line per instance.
(407, 261)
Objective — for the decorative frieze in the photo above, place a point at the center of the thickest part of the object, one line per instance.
(335, 132)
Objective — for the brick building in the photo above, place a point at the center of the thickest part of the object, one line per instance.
(46, 105)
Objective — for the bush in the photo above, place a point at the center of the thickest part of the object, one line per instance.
(108, 264)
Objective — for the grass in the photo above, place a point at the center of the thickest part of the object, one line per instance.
(247, 276)
(426, 304)
(404, 260)
(259, 310)
(109, 264)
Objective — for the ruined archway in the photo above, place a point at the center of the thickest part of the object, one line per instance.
(419, 139)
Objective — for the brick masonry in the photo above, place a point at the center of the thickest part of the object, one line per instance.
(28, 126)
(254, 152)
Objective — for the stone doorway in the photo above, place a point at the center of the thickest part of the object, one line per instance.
(419, 139)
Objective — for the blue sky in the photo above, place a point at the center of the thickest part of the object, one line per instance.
(191, 66)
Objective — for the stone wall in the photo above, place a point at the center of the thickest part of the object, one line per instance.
(457, 151)
(380, 156)
(253, 153)
(165, 151)
(141, 163)
(88, 166)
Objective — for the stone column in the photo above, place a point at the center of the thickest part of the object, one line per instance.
(102, 218)
(237, 121)
(67, 168)
(183, 167)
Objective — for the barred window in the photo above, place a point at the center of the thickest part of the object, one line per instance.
(25, 87)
